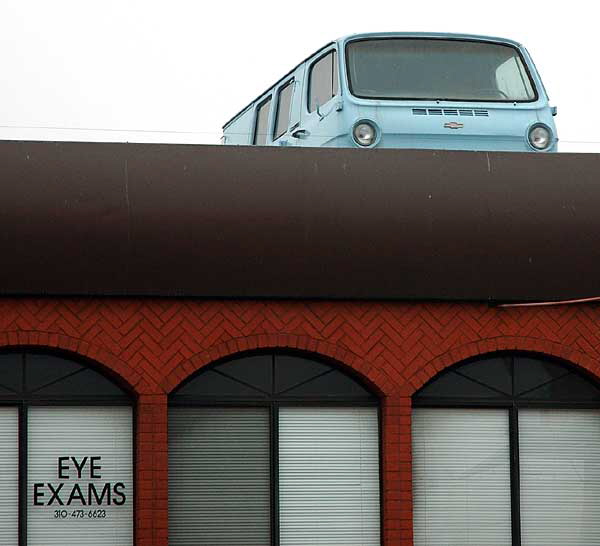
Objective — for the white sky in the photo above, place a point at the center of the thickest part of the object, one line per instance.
(188, 66)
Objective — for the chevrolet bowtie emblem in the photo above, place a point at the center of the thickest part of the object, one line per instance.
(453, 125)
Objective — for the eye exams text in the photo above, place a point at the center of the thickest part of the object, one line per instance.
(70, 492)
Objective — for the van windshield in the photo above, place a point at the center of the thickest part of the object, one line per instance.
(437, 69)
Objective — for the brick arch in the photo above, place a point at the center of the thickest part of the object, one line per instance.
(129, 378)
(505, 343)
(375, 378)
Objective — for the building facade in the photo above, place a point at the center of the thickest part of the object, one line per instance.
(107, 426)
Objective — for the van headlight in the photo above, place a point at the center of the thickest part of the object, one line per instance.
(540, 136)
(364, 133)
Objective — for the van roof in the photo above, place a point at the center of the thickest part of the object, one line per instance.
(438, 35)
(350, 37)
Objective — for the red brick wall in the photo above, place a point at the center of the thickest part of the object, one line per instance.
(154, 344)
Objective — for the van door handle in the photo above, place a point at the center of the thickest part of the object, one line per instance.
(300, 133)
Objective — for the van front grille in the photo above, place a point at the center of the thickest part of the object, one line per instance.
(465, 112)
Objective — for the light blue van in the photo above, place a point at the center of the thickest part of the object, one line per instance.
(405, 90)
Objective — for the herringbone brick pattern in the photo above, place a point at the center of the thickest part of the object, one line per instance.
(153, 344)
(156, 342)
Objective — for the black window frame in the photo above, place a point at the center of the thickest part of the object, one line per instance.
(447, 39)
(334, 72)
(24, 400)
(267, 100)
(273, 405)
(291, 82)
(512, 404)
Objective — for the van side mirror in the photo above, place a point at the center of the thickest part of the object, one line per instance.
(318, 110)
(554, 110)
(300, 133)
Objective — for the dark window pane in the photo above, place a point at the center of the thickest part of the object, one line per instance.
(52, 377)
(284, 103)
(321, 80)
(11, 372)
(290, 371)
(493, 372)
(84, 383)
(532, 372)
(572, 388)
(256, 371)
(451, 385)
(8, 393)
(262, 123)
(250, 379)
(491, 378)
(211, 384)
(45, 369)
(331, 385)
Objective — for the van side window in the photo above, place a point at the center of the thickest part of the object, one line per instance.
(284, 103)
(323, 81)
(261, 126)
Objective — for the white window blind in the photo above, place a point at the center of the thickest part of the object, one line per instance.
(9, 477)
(461, 477)
(560, 477)
(80, 476)
(219, 477)
(329, 476)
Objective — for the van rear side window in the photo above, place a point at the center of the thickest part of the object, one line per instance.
(284, 103)
(261, 127)
(324, 81)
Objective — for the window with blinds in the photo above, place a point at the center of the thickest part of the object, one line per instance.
(66, 453)
(80, 476)
(9, 476)
(461, 477)
(219, 477)
(506, 450)
(328, 476)
(273, 450)
(559, 453)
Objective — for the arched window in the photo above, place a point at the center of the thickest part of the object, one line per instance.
(273, 449)
(66, 470)
(506, 451)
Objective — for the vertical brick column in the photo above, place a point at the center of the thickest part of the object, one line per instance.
(151, 471)
(397, 471)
